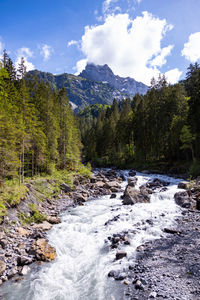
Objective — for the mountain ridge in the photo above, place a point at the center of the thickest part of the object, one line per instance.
(98, 86)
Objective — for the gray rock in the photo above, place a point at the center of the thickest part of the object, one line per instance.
(25, 270)
(183, 185)
(184, 200)
(113, 196)
(65, 188)
(132, 173)
(132, 181)
(2, 267)
(120, 254)
(132, 196)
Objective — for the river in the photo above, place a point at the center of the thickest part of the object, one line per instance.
(84, 253)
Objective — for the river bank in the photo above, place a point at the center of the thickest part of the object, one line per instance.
(23, 232)
(169, 268)
(106, 247)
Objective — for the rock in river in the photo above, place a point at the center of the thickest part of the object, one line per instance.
(42, 250)
(132, 196)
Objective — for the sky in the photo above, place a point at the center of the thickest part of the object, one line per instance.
(136, 38)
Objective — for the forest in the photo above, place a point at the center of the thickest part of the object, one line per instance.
(159, 130)
(39, 132)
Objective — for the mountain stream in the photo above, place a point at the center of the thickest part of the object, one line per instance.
(80, 272)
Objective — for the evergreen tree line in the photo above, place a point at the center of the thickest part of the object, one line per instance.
(38, 130)
(163, 125)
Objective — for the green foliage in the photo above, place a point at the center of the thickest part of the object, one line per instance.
(33, 217)
(195, 169)
(149, 130)
(38, 130)
(12, 193)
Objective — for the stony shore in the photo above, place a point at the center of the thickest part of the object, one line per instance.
(22, 243)
(167, 268)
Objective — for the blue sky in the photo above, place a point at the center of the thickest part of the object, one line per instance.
(136, 38)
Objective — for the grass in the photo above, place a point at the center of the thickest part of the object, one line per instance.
(34, 217)
(44, 186)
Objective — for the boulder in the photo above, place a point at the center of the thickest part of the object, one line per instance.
(156, 183)
(79, 197)
(99, 184)
(184, 200)
(112, 184)
(132, 173)
(43, 226)
(132, 181)
(132, 196)
(145, 190)
(25, 270)
(2, 267)
(65, 188)
(183, 185)
(42, 250)
(53, 220)
(22, 231)
(120, 254)
(113, 196)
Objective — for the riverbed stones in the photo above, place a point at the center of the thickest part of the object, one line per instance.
(43, 226)
(22, 231)
(132, 196)
(2, 267)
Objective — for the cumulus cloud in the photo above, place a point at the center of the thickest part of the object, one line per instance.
(131, 47)
(191, 48)
(80, 65)
(160, 59)
(46, 52)
(26, 53)
(72, 42)
(173, 75)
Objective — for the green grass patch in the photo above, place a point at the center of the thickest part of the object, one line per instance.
(33, 217)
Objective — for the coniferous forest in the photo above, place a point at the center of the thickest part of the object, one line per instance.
(159, 129)
(39, 131)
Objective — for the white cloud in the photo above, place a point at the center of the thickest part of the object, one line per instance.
(72, 42)
(173, 75)
(26, 53)
(80, 65)
(106, 5)
(191, 50)
(131, 47)
(160, 59)
(138, 1)
(46, 52)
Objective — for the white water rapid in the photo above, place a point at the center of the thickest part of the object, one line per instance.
(84, 253)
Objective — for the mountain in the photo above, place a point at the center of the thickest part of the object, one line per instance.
(96, 84)
(104, 74)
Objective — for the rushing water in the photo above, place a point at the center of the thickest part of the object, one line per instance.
(84, 256)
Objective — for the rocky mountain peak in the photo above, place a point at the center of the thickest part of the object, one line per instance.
(104, 74)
